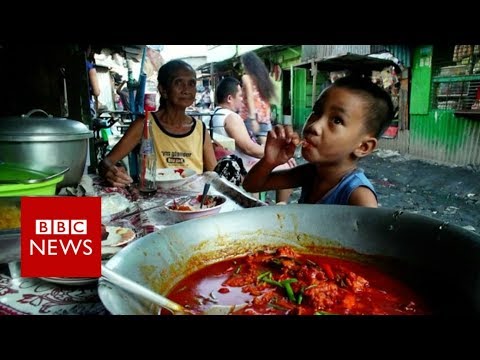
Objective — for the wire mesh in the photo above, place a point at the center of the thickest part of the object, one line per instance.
(456, 77)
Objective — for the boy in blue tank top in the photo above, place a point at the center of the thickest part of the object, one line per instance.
(344, 126)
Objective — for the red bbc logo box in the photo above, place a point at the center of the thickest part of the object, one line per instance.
(61, 236)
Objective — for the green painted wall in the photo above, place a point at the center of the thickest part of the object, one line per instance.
(444, 137)
(439, 127)
(286, 58)
(438, 135)
(289, 57)
(421, 80)
(299, 97)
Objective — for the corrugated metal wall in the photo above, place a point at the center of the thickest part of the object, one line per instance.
(400, 143)
(446, 138)
(401, 52)
(436, 135)
(439, 136)
(322, 51)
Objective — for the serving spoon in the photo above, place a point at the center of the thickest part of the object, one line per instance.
(175, 308)
(204, 195)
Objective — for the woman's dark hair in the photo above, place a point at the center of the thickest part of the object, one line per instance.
(167, 72)
(379, 104)
(227, 86)
(255, 67)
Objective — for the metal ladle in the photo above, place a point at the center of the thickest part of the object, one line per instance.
(175, 308)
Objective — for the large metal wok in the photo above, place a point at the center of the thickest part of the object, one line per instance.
(442, 261)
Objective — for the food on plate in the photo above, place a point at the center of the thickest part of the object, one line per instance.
(118, 236)
(168, 178)
(104, 232)
(285, 282)
(113, 204)
(170, 174)
(194, 203)
(10, 217)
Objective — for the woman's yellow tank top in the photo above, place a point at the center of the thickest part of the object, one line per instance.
(174, 150)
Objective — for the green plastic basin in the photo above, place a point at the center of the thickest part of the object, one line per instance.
(30, 182)
(44, 188)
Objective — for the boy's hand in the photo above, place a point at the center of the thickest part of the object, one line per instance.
(280, 145)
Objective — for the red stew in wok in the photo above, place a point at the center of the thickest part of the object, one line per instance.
(286, 282)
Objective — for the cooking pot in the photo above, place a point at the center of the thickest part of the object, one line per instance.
(442, 261)
(40, 141)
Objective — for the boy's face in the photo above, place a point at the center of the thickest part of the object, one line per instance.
(335, 129)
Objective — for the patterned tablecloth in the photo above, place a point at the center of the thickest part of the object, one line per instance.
(36, 296)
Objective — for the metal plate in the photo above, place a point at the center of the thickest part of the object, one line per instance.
(159, 260)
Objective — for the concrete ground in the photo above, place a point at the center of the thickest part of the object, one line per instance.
(447, 193)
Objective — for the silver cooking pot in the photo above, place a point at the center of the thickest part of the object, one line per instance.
(440, 260)
(46, 142)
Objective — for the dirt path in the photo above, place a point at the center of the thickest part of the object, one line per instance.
(450, 194)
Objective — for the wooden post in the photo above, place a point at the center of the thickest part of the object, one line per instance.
(77, 89)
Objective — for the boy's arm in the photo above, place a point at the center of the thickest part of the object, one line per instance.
(257, 178)
(279, 149)
(261, 177)
(363, 196)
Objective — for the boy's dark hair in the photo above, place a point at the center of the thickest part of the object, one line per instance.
(379, 104)
(227, 86)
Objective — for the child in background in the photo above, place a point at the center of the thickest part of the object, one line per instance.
(345, 124)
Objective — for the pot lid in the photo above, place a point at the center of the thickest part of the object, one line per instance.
(45, 127)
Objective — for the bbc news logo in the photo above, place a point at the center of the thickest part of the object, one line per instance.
(60, 237)
(60, 246)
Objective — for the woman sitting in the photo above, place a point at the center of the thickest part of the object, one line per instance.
(179, 140)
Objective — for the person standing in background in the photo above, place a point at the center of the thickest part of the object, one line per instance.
(258, 92)
(206, 99)
(121, 90)
(93, 84)
(227, 122)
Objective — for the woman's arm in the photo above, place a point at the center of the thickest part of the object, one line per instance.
(129, 140)
(209, 160)
(92, 75)
(248, 94)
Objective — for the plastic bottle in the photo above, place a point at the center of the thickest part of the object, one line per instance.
(147, 160)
